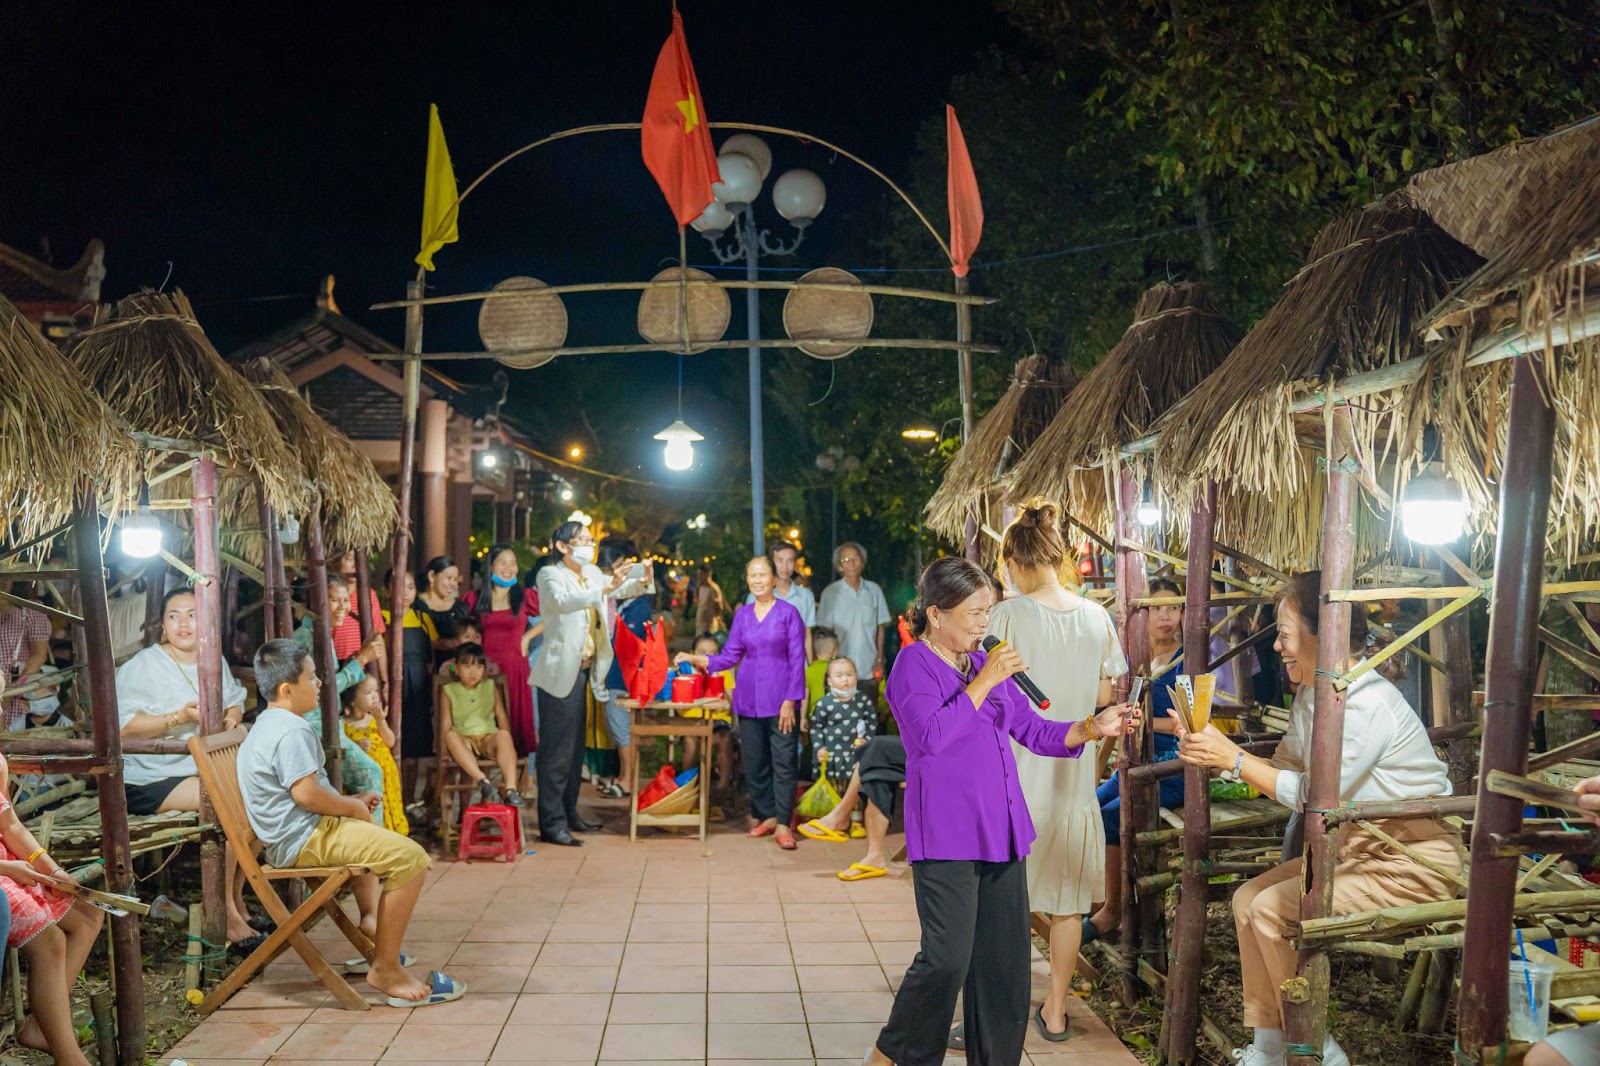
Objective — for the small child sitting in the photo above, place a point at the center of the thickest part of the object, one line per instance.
(364, 723)
(302, 822)
(824, 645)
(476, 726)
(468, 632)
(843, 720)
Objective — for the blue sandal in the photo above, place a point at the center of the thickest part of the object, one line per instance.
(441, 989)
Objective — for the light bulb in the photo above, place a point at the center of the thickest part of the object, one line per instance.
(488, 460)
(1433, 510)
(288, 529)
(1149, 514)
(566, 495)
(679, 454)
(140, 537)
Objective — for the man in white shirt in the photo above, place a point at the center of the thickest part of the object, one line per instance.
(857, 611)
(784, 557)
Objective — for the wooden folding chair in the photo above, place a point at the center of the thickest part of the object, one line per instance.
(217, 757)
(450, 781)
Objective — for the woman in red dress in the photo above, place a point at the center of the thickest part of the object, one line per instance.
(53, 932)
(503, 611)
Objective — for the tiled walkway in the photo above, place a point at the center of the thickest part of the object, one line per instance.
(660, 951)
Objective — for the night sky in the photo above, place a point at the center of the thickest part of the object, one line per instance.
(257, 147)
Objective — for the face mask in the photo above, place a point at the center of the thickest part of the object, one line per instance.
(502, 582)
(843, 695)
(583, 554)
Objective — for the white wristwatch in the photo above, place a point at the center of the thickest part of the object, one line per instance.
(1236, 774)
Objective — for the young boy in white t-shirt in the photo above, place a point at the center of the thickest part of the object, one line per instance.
(302, 822)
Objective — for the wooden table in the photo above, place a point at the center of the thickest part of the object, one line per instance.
(665, 719)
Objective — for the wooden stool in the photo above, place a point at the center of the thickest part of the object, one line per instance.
(504, 843)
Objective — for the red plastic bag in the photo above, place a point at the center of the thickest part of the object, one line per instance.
(642, 660)
(663, 784)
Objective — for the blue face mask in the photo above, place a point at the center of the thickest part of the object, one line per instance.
(502, 582)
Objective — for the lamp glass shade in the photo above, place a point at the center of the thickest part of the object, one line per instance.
(713, 220)
(140, 536)
(741, 180)
(1433, 510)
(679, 454)
(1149, 514)
(748, 144)
(799, 196)
(288, 529)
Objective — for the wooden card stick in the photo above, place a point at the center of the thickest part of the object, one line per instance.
(1536, 792)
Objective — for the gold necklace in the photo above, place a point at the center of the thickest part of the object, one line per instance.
(960, 666)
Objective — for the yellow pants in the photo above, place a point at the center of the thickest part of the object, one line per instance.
(396, 860)
(1369, 876)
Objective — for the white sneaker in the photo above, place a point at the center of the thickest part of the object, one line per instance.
(1332, 1053)
(1254, 1056)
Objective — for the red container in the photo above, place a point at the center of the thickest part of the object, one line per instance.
(687, 689)
(716, 686)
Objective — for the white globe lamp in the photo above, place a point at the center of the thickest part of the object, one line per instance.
(748, 144)
(1433, 510)
(741, 181)
(714, 220)
(799, 196)
(140, 536)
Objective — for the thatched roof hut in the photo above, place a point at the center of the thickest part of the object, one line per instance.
(358, 509)
(1012, 426)
(152, 363)
(1534, 209)
(56, 435)
(1357, 305)
(1177, 338)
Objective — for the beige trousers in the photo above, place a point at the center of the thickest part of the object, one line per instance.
(1369, 876)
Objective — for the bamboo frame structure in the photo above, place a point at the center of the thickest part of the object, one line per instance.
(1139, 913)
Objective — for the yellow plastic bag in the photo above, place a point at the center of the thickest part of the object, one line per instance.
(820, 798)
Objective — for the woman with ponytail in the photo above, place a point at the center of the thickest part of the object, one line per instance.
(1385, 757)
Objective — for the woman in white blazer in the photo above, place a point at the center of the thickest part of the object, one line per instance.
(575, 657)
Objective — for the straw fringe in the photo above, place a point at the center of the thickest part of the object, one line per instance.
(1007, 432)
(55, 434)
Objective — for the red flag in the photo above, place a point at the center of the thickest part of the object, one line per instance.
(676, 138)
(966, 210)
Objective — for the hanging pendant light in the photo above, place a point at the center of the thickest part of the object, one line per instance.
(140, 536)
(1433, 509)
(680, 438)
(1149, 513)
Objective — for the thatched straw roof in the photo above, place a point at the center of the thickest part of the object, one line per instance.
(55, 434)
(1177, 338)
(152, 363)
(1007, 432)
(358, 509)
(1357, 305)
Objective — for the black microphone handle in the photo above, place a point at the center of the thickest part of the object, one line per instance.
(1035, 695)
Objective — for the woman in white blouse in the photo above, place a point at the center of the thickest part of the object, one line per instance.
(1386, 756)
(158, 695)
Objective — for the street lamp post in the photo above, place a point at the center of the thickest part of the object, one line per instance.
(799, 195)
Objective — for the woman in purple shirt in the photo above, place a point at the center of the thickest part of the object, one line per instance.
(768, 644)
(967, 824)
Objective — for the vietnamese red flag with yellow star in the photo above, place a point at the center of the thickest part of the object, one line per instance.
(676, 139)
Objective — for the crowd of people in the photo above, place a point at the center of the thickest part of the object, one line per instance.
(1004, 809)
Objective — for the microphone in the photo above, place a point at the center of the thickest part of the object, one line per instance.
(1024, 682)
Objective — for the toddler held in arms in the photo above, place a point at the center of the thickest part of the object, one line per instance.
(476, 725)
(303, 823)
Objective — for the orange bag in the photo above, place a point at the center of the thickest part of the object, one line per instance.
(663, 784)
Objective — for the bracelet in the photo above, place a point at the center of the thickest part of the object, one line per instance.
(36, 853)
(1090, 728)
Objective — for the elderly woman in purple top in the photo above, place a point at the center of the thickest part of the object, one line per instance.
(768, 644)
(967, 824)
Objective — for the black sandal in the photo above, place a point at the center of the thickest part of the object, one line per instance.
(957, 1040)
(243, 948)
(1044, 1030)
(263, 925)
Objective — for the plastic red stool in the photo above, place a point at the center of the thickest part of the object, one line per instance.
(490, 831)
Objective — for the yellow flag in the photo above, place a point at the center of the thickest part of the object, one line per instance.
(439, 207)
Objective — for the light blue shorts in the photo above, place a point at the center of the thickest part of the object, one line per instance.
(619, 723)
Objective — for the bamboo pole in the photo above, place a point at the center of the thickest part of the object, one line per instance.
(1306, 1019)
(1393, 921)
(322, 645)
(964, 383)
(366, 618)
(275, 595)
(1508, 701)
(1455, 631)
(127, 976)
(1441, 807)
(913, 343)
(401, 552)
(1136, 800)
(959, 297)
(1182, 1018)
(1154, 837)
(1395, 647)
(208, 669)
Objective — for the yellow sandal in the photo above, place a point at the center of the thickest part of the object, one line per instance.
(860, 871)
(817, 831)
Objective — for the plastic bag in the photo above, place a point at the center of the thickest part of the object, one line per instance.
(663, 784)
(820, 798)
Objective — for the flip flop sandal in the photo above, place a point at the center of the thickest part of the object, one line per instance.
(243, 948)
(957, 1040)
(359, 965)
(441, 989)
(787, 842)
(762, 830)
(817, 831)
(1044, 1030)
(1090, 933)
(860, 871)
(857, 832)
(263, 925)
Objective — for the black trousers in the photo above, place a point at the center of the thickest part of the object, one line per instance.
(974, 941)
(770, 762)
(558, 765)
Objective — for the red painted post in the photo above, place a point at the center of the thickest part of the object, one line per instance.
(322, 645)
(1306, 1016)
(401, 555)
(208, 668)
(1130, 587)
(1507, 703)
(1181, 1025)
(115, 848)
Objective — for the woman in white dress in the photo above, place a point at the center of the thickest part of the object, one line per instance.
(1070, 644)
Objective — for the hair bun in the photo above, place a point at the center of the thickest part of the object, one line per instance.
(1039, 513)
